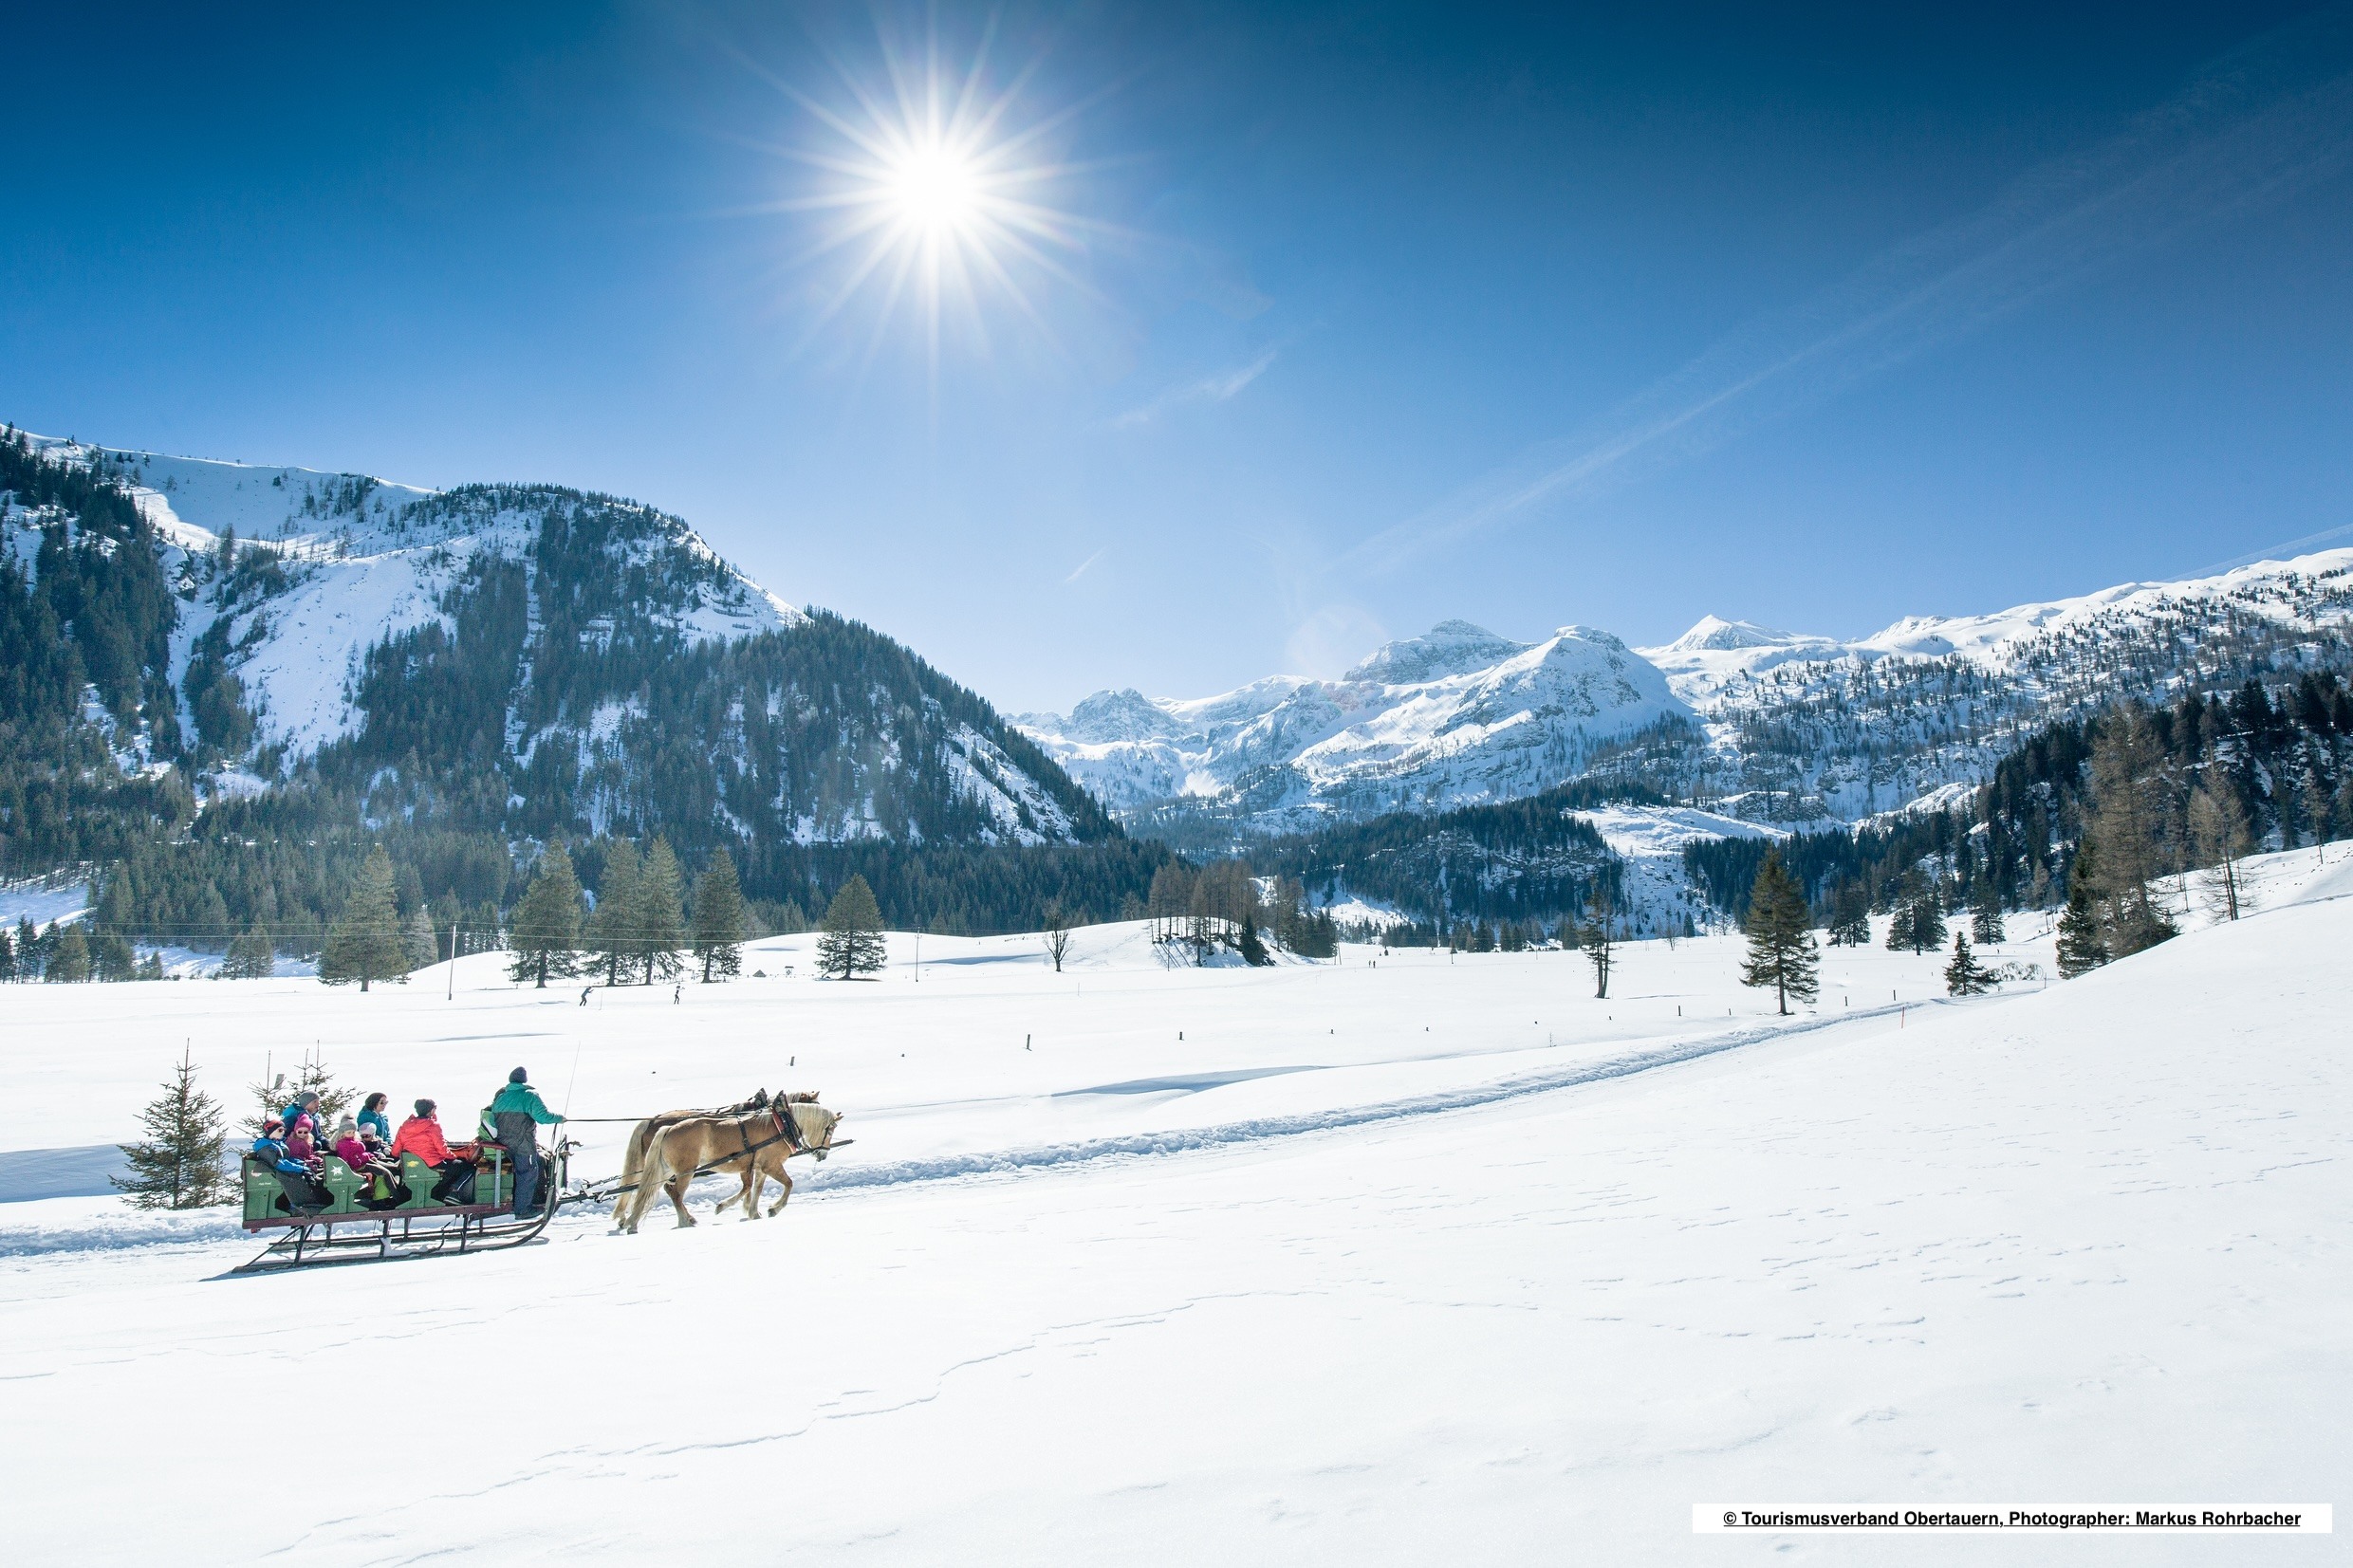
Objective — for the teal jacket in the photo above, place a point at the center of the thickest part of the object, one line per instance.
(523, 1101)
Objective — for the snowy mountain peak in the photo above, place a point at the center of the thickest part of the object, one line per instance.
(1455, 715)
(1450, 648)
(1714, 634)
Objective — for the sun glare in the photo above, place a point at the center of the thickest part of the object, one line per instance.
(935, 188)
(937, 195)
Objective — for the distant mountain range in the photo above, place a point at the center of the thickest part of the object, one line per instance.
(279, 655)
(1752, 723)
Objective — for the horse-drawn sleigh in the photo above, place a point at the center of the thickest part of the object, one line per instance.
(751, 1139)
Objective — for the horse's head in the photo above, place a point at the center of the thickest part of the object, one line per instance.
(816, 1125)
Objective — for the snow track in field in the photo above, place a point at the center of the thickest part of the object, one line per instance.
(1261, 1129)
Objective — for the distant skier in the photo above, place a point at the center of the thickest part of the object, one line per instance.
(584, 994)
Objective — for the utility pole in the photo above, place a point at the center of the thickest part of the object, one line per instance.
(452, 993)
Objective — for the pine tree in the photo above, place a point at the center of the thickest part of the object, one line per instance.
(661, 915)
(7, 956)
(1985, 921)
(613, 929)
(2082, 948)
(366, 944)
(69, 961)
(852, 944)
(1964, 975)
(1850, 916)
(719, 919)
(179, 1165)
(1927, 923)
(1781, 942)
(1254, 950)
(251, 956)
(545, 933)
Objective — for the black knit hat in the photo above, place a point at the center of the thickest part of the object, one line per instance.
(517, 1075)
(424, 1107)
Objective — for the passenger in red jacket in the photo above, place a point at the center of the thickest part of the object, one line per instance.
(421, 1135)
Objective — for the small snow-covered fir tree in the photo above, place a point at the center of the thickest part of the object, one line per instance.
(1781, 942)
(179, 1163)
(852, 944)
(366, 943)
(720, 919)
(1964, 975)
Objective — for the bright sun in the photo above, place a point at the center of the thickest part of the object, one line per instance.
(938, 194)
(936, 188)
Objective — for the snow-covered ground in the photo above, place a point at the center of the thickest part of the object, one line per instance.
(1401, 1259)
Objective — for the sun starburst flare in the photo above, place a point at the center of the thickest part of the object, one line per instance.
(939, 196)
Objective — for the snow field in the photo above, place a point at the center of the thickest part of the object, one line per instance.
(2068, 1246)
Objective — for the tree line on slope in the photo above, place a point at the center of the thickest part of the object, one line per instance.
(2095, 809)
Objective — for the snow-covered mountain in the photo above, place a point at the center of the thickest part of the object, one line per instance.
(1804, 728)
(1756, 724)
(595, 652)
(1455, 716)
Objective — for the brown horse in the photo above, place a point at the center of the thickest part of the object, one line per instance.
(754, 1146)
(633, 1156)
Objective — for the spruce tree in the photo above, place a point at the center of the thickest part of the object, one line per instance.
(251, 956)
(366, 943)
(1850, 916)
(179, 1163)
(662, 912)
(719, 919)
(1254, 951)
(1927, 924)
(546, 931)
(1964, 975)
(1985, 921)
(7, 956)
(613, 929)
(1781, 942)
(69, 960)
(852, 944)
(2081, 947)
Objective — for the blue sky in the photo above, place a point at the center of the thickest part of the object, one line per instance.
(1356, 318)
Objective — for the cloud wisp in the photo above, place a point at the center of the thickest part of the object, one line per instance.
(1209, 389)
(2254, 127)
(1079, 570)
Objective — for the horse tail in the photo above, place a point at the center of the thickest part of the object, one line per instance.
(632, 1167)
